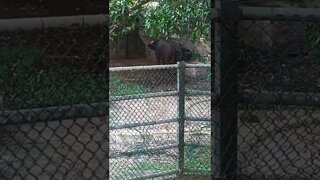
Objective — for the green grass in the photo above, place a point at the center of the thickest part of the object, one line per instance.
(157, 167)
(140, 168)
(118, 87)
(209, 75)
(197, 158)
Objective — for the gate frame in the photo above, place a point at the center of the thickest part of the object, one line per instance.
(227, 14)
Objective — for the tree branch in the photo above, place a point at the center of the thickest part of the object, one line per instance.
(139, 5)
(112, 28)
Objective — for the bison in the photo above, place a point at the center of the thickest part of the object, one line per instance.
(165, 52)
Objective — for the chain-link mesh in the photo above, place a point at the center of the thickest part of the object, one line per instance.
(198, 121)
(266, 93)
(146, 130)
(143, 125)
(53, 115)
(279, 124)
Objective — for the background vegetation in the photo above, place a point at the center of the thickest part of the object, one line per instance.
(161, 18)
(27, 81)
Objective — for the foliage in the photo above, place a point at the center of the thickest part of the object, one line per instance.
(298, 3)
(198, 158)
(25, 83)
(313, 36)
(304, 3)
(209, 75)
(199, 57)
(60, 86)
(161, 18)
(119, 88)
(312, 32)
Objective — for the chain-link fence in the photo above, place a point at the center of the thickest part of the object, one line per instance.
(281, 135)
(159, 121)
(52, 109)
(266, 118)
(266, 101)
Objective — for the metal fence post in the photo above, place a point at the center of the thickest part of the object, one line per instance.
(181, 113)
(224, 126)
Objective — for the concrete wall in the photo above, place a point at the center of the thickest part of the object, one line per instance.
(127, 47)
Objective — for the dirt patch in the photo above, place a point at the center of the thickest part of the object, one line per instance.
(130, 62)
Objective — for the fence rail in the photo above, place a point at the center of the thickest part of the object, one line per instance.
(48, 114)
(139, 68)
(56, 22)
(148, 95)
(280, 98)
(274, 13)
(278, 13)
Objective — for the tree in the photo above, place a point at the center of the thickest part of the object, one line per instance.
(161, 18)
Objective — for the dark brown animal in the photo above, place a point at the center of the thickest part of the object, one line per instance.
(165, 52)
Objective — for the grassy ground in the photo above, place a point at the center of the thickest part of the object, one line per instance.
(119, 88)
(193, 177)
(27, 82)
(195, 159)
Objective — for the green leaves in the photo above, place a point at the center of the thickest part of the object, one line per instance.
(312, 33)
(163, 18)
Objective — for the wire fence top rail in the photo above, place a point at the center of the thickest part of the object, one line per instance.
(274, 13)
(52, 22)
(280, 98)
(45, 114)
(279, 13)
(144, 95)
(152, 67)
